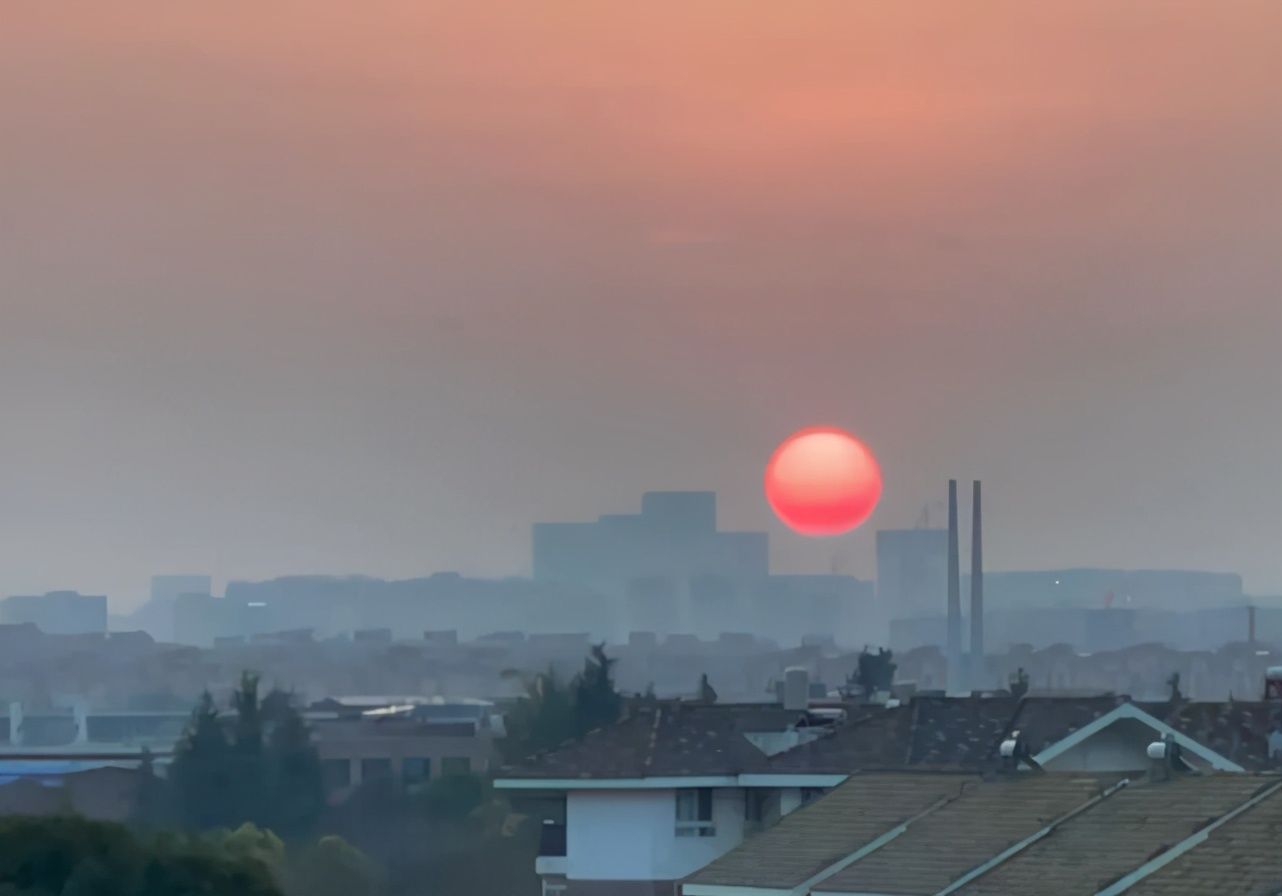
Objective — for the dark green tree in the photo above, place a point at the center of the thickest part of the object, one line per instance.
(596, 702)
(293, 772)
(332, 867)
(66, 855)
(542, 719)
(267, 772)
(203, 772)
(250, 774)
(873, 672)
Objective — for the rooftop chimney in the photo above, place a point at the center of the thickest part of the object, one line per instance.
(954, 593)
(976, 592)
(796, 688)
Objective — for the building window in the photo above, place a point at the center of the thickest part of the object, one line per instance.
(755, 801)
(415, 769)
(375, 769)
(336, 773)
(810, 794)
(455, 765)
(694, 813)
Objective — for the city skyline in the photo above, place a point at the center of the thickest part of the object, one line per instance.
(374, 289)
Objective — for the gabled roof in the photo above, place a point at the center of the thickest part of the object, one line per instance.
(1096, 848)
(1160, 729)
(850, 817)
(1240, 857)
(1043, 721)
(672, 739)
(963, 834)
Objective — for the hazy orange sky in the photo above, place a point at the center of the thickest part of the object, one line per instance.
(369, 287)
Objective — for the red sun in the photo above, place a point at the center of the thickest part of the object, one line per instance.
(822, 481)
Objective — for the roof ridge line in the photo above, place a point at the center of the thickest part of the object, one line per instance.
(1030, 840)
(1126, 881)
(805, 887)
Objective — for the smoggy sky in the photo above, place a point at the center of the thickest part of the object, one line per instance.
(310, 286)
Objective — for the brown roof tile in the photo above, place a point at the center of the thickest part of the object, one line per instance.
(811, 839)
(1115, 837)
(947, 843)
(668, 740)
(1243, 857)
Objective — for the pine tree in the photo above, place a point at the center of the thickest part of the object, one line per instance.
(202, 774)
(596, 702)
(250, 768)
(293, 769)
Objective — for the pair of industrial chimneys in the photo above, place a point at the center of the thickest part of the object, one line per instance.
(964, 676)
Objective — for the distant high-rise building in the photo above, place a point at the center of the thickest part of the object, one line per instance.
(58, 612)
(670, 570)
(667, 569)
(166, 588)
(912, 572)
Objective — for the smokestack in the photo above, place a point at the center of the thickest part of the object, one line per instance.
(954, 593)
(976, 590)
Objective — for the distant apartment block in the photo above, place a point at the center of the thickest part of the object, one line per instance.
(407, 739)
(58, 612)
(166, 588)
(669, 570)
(912, 571)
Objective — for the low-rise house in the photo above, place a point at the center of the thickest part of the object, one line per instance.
(657, 796)
(673, 788)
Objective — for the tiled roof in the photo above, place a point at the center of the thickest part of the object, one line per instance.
(668, 740)
(1243, 857)
(1042, 721)
(1238, 730)
(943, 733)
(964, 833)
(959, 732)
(880, 741)
(1115, 837)
(808, 841)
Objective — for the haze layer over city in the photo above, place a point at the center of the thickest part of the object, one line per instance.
(715, 448)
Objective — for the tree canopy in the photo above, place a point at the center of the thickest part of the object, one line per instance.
(65, 855)
(552, 712)
(262, 768)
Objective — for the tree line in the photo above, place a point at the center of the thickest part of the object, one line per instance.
(242, 809)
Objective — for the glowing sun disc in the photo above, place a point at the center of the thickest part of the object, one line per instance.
(822, 481)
